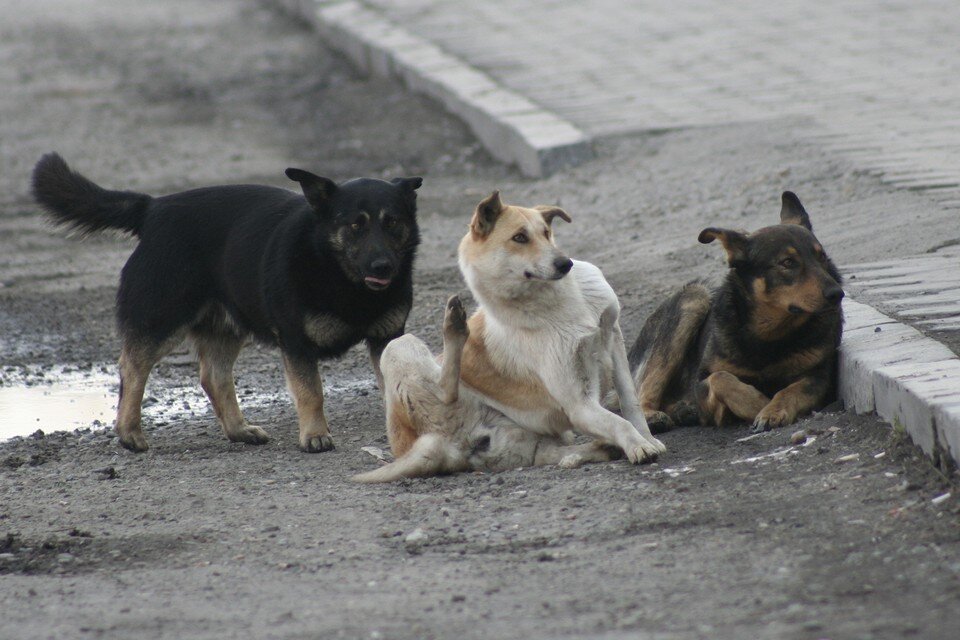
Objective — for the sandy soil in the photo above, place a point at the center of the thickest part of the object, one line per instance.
(723, 538)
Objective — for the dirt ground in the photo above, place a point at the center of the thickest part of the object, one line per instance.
(724, 537)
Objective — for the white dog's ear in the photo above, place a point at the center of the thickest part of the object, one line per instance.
(486, 214)
(549, 212)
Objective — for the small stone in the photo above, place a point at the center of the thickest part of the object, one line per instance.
(458, 597)
(798, 437)
(941, 498)
(850, 457)
(64, 558)
(417, 536)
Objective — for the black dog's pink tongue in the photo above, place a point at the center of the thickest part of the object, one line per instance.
(380, 282)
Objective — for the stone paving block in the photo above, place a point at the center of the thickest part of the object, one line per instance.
(612, 67)
(864, 350)
(923, 399)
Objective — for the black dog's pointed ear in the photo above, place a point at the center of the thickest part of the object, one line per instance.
(410, 184)
(792, 212)
(316, 189)
(486, 214)
(734, 242)
(550, 212)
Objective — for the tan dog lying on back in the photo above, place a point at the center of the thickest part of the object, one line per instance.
(529, 368)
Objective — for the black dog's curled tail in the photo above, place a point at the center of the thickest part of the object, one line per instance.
(72, 200)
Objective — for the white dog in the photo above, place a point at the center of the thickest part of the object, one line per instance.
(530, 366)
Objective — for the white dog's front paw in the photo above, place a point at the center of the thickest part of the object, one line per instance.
(659, 446)
(645, 451)
(570, 461)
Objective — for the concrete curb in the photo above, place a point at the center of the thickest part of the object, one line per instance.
(911, 381)
(511, 128)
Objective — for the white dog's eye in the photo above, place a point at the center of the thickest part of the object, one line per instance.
(520, 238)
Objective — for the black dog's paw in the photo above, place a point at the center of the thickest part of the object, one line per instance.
(317, 444)
(134, 441)
(249, 434)
(659, 422)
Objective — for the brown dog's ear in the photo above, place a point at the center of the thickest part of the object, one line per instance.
(735, 243)
(486, 214)
(792, 212)
(550, 212)
(316, 189)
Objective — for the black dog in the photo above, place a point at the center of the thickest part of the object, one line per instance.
(312, 274)
(762, 348)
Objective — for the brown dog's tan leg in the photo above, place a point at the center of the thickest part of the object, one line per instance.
(674, 326)
(722, 393)
(136, 362)
(217, 356)
(303, 379)
(790, 402)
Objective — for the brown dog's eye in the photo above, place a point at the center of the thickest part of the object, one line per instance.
(788, 263)
(520, 238)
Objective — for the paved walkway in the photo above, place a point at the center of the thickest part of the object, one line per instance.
(881, 80)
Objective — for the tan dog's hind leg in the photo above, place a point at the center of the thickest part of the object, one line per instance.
(136, 361)
(421, 424)
(306, 387)
(722, 393)
(455, 334)
(217, 355)
(576, 455)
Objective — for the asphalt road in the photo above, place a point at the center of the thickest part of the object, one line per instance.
(722, 538)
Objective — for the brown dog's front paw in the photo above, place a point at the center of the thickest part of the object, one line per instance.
(658, 421)
(316, 444)
(771, 418)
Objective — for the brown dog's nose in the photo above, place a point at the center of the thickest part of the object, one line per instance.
(833, 294)
(563, 264)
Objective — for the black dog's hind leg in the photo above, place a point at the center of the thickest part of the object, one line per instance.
(660, 350)
(137, 358)
(306, 386)
(217, 355)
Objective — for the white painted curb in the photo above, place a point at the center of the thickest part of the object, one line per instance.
(911, 381)
(511, 128)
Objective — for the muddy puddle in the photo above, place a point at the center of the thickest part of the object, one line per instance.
(65, 398)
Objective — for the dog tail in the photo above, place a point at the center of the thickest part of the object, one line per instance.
(430, 455)
(74, 201)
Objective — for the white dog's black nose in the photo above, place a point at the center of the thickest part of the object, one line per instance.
(563, 265)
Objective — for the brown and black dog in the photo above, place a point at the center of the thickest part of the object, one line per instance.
(761, 348)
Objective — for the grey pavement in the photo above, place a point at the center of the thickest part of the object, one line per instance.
(879, 81)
